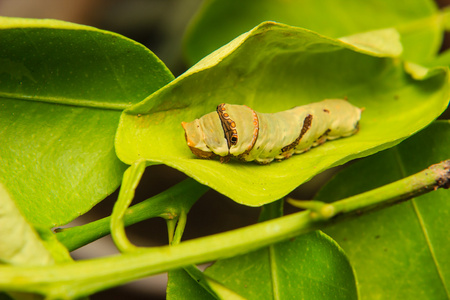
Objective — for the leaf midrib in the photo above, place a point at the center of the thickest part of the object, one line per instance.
(403, 173)
(274, 273)
(68, 101)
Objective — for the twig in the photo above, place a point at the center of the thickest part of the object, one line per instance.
(432, 178)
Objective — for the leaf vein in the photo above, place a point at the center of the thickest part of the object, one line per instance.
(274, 273)
(422, 225)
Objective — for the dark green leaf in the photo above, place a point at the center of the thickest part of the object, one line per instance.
(62, 89)
(418, 22)
(310, 266)
(182, 286)
(400, 252)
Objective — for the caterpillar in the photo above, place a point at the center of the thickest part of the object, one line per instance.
(239, 131)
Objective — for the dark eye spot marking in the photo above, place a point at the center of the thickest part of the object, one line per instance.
(228, 125)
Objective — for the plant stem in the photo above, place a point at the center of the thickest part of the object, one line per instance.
(166, 205)
(82, 278)
(130, 181)
(432, 178)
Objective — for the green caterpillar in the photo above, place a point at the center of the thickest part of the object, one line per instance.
(239, 131)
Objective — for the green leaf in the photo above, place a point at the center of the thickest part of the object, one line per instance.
(310, 266)
(62, 90)
(419, 22)
(182, 286)
(130, 181)
(400, 252)
(57, 249)
(383, 41)
(272, 68)
(442, 60)
(19, 243)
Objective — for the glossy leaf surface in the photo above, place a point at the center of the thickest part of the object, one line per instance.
(182, 286)
(273, 68)
(19, 243)
(62, 89)
(399, 252)
(310, 266)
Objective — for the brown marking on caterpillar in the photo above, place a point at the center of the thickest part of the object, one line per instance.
(306, 126)
(255, 130)
(224, 159)
(219, 135)
(255, 124)
(195, 151)
(228, 125)
(323, 138)
(202, 154)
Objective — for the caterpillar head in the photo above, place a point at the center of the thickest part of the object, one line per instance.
(205, 137)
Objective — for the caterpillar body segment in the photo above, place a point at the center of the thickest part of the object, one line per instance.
(239, 131)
